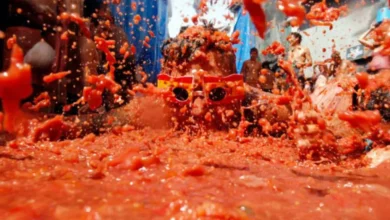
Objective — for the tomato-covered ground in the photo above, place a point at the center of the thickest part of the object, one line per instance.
(157, 174)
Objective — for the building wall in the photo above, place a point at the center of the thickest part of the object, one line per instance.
(345, 33)
(179, 10)
(276, 32)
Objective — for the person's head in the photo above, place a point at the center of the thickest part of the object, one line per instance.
(323, 69)
(194, 49)
(254, 53)
(294, 38)
(336, 58)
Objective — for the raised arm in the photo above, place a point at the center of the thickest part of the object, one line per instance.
(366, 42)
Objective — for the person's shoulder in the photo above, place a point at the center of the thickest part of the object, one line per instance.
(305, 48)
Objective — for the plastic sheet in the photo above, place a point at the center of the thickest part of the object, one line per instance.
(154, 18)
(247, 37)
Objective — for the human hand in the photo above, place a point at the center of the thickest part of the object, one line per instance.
(373, 25)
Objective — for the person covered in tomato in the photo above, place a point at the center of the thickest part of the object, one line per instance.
(251, 69)
(299, 56)
(199, 75)
(320, 76)
(341, 66)
(377, 38)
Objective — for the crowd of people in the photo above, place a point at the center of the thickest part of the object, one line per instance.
(311, 75)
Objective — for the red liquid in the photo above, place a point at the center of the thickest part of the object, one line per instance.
(257, 15)
(15, 85)
(150, 173)
(293, 9)
(55, 76)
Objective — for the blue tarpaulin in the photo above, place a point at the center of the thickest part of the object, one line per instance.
(247, 37)
(154, 16)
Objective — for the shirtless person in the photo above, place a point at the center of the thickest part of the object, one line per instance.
(299, 56)
(375, 39)
(251, 69)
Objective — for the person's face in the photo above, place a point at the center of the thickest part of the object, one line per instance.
(292, 40)
(336, 59)
(254, 55)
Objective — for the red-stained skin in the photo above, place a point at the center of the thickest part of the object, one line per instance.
(144, 173)
(382, 37)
